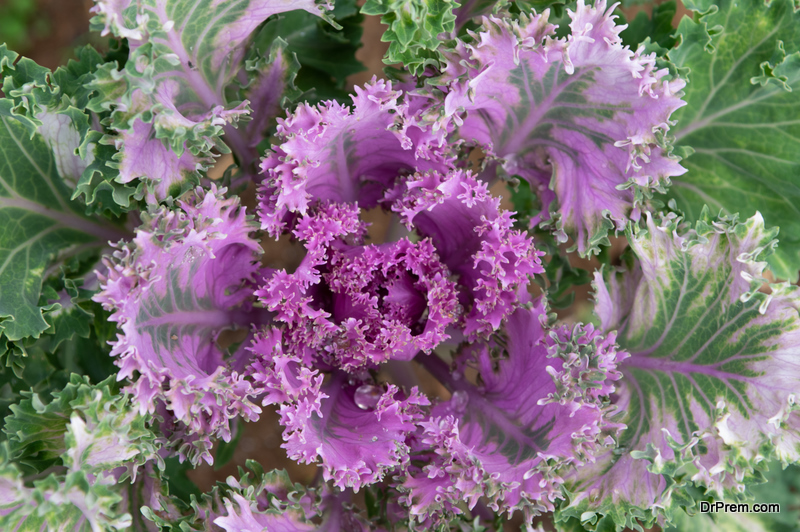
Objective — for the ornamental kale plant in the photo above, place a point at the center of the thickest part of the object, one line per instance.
(448, 375)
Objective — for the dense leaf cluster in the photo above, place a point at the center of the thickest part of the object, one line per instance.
(452, 371)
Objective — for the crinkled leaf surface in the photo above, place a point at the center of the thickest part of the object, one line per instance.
(57, 102)
(24, 82)
(536, 414)
(259, 500)
(37, 427)
(356, 446)
(102, 440)
(43, 365)
(782, 487)
(41, 226)
(582, 118)
(71, 503)
(69, 318)
(375, 303)
(170, 104)
(269, 88)
(474, 238)
(708, 391)
(42, 429)
(743, 116)
(185, 278)
(321, 75)
(414, 28)
(356, 430)
(342, 154)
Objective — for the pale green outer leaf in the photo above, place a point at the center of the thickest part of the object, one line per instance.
(782, 487)
(104, 441)
(40, 225)
(742, 116)
(413, 29)
(86, 426)
(36, 428)
(708, 393)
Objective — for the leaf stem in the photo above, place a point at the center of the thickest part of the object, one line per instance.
(439, 369)
(403, 374)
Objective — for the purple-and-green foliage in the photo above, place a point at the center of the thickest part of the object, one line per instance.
(426, 373)
(555, 111)
(709, 387)
(188, 275)
(534, 416)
